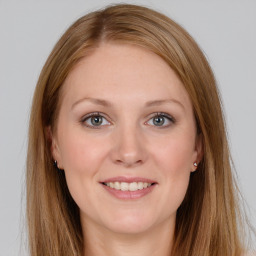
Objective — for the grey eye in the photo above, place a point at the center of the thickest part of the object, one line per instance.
(159, 120)
(96, 120)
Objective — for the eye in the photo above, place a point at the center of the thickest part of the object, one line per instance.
(161, 120)
(95, 120)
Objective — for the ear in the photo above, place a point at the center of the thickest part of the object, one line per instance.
(199, 152)
(52, 140)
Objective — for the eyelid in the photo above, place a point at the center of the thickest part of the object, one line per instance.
(92, 114)
(163, 114)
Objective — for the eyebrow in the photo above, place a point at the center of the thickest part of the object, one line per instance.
(161, 102)
(101, 102)
(105, 103)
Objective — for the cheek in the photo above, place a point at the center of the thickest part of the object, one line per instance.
(82, 158)
(176, 166)
(175, 154)
(81, 154)
(174, 163)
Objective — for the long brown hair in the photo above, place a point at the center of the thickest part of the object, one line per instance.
(208, 219)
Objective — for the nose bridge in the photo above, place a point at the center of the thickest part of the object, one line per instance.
(129, 149)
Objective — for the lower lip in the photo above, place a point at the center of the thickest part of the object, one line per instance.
(129, 194)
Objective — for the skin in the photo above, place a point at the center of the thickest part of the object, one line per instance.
(127, 143)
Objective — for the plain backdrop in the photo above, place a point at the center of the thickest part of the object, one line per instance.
(225, 30)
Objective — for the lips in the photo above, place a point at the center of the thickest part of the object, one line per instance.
(128, 187)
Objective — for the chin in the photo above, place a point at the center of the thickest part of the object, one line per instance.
(130, 223)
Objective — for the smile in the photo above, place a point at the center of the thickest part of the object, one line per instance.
(128, 187)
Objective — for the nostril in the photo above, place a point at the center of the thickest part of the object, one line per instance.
(129, 163)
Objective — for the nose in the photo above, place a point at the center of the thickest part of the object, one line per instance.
(129, 148)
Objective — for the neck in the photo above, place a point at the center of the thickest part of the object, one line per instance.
(103, 242)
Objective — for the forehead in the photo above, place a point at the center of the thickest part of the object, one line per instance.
(126, 71)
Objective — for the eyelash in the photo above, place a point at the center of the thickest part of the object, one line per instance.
(154, 115)
(164, 115)
(90, 115)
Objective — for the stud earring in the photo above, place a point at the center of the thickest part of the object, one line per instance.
(56, 164)
(195, 164)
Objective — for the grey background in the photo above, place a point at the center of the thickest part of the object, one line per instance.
(225, 30)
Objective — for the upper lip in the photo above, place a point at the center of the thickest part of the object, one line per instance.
(128, 179)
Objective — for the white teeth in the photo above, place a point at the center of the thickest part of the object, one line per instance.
(145, 185)
(140, 185)
(133, 186)
(124, 186)
(117, 185)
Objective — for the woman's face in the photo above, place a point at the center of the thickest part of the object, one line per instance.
(126, 139)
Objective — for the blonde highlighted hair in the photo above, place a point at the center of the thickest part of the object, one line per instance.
(208, 220)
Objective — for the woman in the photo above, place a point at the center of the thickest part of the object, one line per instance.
(127, 148)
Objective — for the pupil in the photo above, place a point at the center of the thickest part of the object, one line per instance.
(158, 121)
(97, 120)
